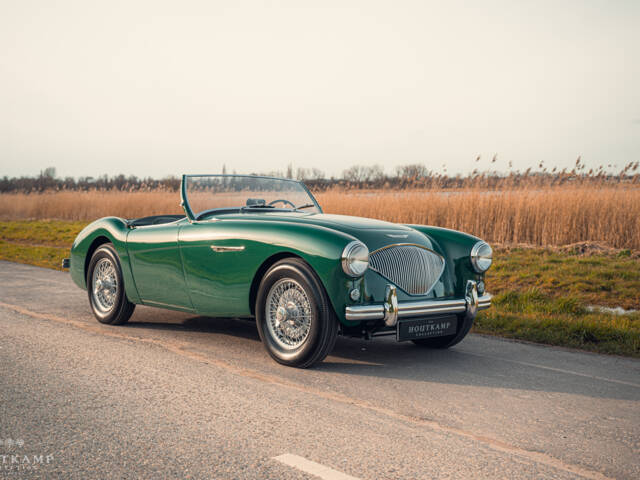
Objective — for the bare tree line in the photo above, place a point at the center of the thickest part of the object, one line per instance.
(356, 177)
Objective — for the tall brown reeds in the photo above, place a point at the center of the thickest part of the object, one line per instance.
(552, 216)
(538, 216)
(87, 205)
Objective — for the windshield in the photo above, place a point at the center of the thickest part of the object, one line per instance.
(209, 195)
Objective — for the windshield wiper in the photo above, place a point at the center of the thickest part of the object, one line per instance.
(306, 205)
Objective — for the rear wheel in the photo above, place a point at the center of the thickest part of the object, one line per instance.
(105, 287)
(295, 320)
(464, 322)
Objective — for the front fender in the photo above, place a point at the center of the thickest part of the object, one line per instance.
(322, 249)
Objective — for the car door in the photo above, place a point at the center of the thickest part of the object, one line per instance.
(157, 266)
(219, 264)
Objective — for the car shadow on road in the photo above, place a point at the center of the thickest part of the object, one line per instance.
(385, 358)
(236, 327)
(463, 365)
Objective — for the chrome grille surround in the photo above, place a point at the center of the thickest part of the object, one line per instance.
(413, 268)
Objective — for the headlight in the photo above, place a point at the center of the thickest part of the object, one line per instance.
(355, 259)
(481, 257)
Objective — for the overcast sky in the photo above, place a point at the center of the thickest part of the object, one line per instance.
(153, 88)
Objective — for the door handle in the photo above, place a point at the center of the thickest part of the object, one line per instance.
(227, 248)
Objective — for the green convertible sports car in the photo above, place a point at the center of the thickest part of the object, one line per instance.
(261, 247)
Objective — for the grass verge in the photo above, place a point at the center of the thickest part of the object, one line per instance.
(544, 295)
(541, 295)
(39, 242)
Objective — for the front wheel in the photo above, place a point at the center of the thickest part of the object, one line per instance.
(107, 297)
(295, 320)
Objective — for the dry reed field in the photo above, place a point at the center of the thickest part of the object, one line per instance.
(550, 216)
(537, 216)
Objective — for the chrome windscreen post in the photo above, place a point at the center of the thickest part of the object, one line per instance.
(390, 306)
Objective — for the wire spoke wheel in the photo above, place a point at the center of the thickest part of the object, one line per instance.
(289, 314)
(104, 285)
(295, 320)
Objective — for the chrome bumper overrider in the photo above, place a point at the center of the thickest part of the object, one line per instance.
(391, 310)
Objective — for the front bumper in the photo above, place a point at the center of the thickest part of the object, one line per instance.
(391, 310)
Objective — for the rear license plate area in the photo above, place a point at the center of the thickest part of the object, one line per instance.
(416, 328)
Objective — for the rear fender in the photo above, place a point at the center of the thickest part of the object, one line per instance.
(109, 229)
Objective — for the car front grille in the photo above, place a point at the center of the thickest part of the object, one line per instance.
(413, 268)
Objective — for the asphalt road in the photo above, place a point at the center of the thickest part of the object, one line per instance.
(178, 396)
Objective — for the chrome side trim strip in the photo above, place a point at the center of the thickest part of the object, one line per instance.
(414, 309)
(226, 248)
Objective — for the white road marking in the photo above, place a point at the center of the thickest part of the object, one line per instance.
(312, 468)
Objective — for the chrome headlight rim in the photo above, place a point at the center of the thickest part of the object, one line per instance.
(349, 260)
(481, 256)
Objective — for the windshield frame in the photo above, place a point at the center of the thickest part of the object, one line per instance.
(184, 201)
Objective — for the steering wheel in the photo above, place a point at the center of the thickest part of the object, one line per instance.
(283, 201)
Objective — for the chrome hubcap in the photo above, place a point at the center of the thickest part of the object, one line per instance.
(105, 285)
(289, 314)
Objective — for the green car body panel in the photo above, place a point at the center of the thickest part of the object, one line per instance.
(455, 247)
(108, 229)
(173, 265)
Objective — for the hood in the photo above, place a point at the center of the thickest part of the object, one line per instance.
(373, 233)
